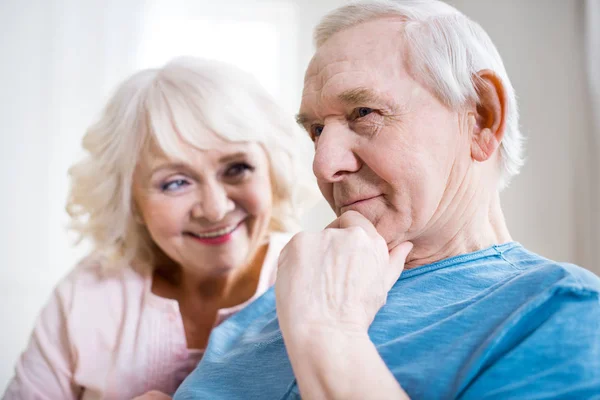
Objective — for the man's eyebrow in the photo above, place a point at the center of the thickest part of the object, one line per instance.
(359, 96)
(302, 119)
(352, 97)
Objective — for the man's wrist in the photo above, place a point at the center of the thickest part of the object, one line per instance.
(330, 362)
(324, 335)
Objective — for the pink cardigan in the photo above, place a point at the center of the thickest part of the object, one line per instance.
(107, 336)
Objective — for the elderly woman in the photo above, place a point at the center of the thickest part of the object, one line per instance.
(187, 193)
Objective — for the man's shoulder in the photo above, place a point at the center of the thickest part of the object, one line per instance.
(508, 273)
(505, 289)
(549, 342)
(556, 298)
(558, 277)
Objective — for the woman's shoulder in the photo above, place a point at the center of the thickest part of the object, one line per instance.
(96, 285)
(278, 240)
(95, 271)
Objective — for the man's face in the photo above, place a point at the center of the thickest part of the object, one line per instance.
(385, 146)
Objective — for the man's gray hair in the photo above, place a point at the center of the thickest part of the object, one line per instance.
(446, 50)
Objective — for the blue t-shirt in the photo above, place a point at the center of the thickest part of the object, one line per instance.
(501, 323)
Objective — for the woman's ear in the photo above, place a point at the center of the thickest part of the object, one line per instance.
(490, 115)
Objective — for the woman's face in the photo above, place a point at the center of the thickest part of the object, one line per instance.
(207, 212)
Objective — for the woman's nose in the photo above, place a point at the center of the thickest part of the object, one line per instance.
(214, 204)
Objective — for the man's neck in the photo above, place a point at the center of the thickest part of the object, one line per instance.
(477, 224)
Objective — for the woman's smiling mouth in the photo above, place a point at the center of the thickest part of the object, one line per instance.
(217, 236)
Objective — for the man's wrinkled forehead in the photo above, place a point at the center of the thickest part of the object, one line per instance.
(353, 60)
(369, 42)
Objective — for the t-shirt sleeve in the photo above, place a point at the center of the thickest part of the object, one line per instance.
(554, 355)
(45, 369)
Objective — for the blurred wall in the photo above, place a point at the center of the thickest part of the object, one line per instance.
(542, 44)
(62, 57)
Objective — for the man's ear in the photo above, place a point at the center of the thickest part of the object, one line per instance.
(490, 115)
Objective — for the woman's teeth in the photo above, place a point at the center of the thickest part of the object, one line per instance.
(218, 233)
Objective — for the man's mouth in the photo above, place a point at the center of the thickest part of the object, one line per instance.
(356, 202)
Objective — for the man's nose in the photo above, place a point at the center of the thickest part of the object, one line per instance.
(335, 153)
(214, 203)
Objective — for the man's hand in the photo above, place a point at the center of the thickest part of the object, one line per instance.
(329, 287)
(337, 279)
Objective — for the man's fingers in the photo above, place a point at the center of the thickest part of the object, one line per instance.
(353, 218)
(335, 224)
(397, 259)
(397, 256)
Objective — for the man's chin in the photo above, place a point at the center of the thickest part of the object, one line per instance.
(392, 238)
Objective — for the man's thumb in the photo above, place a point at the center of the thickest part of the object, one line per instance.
(397, 259)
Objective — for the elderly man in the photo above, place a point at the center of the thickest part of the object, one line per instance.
(416, 290)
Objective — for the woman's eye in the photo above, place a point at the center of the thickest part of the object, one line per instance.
(237, 170)
(174, 185)
(315, 131)
(363, 111)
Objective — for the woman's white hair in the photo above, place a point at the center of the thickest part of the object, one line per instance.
(176, 106)
(445, 50)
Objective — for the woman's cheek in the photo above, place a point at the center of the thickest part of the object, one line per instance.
(166, 216)
(258, 197)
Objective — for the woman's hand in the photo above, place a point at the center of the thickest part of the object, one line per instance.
(337, 279)
(153, 395)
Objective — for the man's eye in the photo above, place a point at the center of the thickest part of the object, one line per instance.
(174, 185)
(315, 131)
(363, 111)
